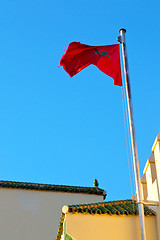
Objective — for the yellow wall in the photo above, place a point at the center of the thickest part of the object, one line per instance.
(150, 186)
(156, 152)
(103, 227)
(35, 215)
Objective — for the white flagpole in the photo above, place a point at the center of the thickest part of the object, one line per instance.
(122, 40)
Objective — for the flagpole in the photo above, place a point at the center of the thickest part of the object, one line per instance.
(122, 40)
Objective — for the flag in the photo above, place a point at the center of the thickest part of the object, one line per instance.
(106, 58)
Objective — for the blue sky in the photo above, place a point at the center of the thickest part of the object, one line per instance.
(61, 130)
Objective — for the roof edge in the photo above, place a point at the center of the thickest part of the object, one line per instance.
(53, 188)
(129, 206)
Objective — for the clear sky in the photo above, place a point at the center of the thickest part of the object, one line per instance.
(61, 130)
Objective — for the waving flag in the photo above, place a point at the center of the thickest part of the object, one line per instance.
(106, 58)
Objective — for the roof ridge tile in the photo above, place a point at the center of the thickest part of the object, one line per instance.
(51, 187)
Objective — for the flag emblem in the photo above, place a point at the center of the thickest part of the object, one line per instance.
(101, 53)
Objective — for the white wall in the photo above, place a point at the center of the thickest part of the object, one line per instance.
(35, 215)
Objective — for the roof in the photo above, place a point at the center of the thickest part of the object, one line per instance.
(127, 207)
(120, 207)
(53, 188)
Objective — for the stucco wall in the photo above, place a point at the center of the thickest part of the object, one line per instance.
(34, 215)
(103, 227)
(150, 185)
(156, 151)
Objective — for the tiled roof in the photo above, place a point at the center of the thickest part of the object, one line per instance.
(127, 207)
(60, 230)
(54, 188)
(121, 207)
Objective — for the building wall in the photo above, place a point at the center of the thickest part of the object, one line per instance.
(151, 180)
(149, 186)
(93, 227)
(34, 215)
(156, 152)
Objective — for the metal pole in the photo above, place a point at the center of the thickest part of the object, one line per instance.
(122, 40)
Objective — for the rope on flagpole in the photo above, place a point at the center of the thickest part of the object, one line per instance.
(128, 134)
(122, 40)
(128, 144)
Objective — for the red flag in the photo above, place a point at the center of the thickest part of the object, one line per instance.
(106, 58)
